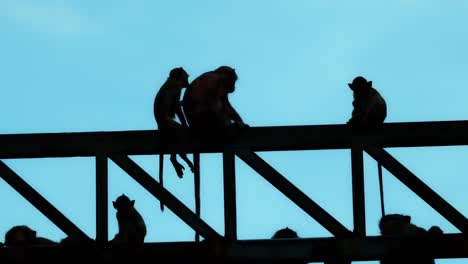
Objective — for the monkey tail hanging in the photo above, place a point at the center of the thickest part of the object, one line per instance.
(382, 204)
(196, 183)
(161, 178)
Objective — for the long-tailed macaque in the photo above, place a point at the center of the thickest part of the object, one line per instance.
(369, 107)
(132, 228)
(287, 233)
(22, 236)
(167, 106)
(206, 104)
(400, 225)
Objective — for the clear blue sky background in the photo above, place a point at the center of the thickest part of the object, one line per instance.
(69, 66)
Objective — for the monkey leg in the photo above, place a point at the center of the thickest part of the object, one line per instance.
(177, 166)
(186, 159)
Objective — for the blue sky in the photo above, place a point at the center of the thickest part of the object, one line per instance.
(97, 65)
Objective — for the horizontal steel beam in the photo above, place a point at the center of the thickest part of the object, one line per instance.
(256, 251)
(418, 134)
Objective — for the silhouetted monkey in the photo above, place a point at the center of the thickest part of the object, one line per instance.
(166, 107)
(369, 107)
(285, 233)
(206, 104)
(132, 228)
(400, 225)
(20, 236)
(289, 233)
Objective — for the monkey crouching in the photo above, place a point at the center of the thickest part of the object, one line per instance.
(400, 225)
(23, 236)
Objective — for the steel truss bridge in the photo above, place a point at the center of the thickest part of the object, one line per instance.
(345, 245)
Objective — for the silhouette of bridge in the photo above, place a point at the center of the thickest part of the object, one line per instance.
(345, 244)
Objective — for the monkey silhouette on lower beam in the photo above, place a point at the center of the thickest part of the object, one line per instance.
(400, 225)
(132, 227)
(23, 236)
(287, 233)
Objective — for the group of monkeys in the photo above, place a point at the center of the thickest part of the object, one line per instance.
(131, 226)
(389, 225)
(132, 230)
(206, 109)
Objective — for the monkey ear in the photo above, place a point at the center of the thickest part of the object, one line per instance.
(407, 218)
(132, 202)
(369, 83)
(113, 204)
(34, 233)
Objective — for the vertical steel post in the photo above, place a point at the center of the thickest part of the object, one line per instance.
(101, 198)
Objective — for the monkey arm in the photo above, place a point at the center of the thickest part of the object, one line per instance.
(180, 115)
(232, 113)
(357, 115)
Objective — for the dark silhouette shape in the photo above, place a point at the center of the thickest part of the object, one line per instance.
(206, 104)
(132, 228)
(166, 107)
(287, 233)
(76, 240)
(369, 107)
(400, 225)
(22, 236)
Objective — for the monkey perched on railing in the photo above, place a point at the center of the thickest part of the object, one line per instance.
(206, 104)
(400, 225)
(369, 107)
(22, 236)
(132, 228)
(166, 107)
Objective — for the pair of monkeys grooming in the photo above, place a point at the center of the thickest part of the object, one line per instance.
(205, 104)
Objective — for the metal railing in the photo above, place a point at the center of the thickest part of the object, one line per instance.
(117, 146)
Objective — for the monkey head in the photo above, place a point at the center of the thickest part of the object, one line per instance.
(394, 224)
(20, 236)
(123, 203)
(229, 78)
(179, 75)
(285, 233)
(360, 85)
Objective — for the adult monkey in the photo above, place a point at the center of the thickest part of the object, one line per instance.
(209, 112)
(400, 225)
(167, 106)
(22, 236)
(206, 104)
